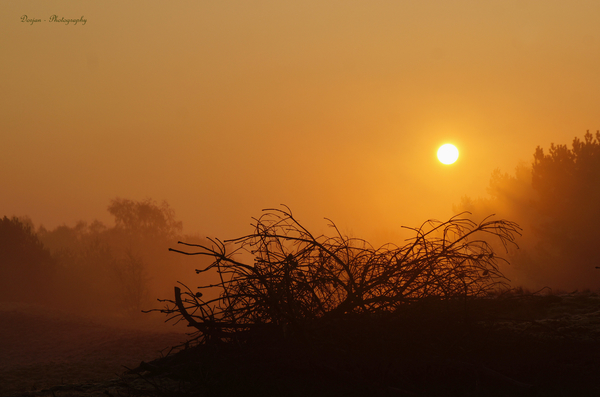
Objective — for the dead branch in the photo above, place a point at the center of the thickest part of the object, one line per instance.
(297, 279)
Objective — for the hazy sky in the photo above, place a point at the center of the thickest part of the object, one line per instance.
(335, 108)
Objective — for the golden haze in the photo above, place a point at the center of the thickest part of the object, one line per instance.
(332, 108)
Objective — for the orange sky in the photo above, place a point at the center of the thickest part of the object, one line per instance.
(335, 108)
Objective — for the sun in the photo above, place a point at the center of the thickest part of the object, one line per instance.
(447, 153)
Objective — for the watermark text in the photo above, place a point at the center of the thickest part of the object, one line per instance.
(54, 18)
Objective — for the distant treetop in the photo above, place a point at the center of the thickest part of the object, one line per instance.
(145, 217)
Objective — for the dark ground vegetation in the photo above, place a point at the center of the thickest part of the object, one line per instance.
(333, 316)
(514, 344)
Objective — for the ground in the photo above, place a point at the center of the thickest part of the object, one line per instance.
(41, 348)
(514, 345)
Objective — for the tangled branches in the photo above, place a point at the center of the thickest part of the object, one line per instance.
(297, 278)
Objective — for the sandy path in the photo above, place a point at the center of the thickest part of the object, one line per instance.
(39, 348)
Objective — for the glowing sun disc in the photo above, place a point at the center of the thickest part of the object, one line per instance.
(447, 153)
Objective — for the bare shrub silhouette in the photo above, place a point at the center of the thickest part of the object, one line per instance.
(299, 281)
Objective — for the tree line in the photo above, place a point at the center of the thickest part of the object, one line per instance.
(91, 267)
(556, 200)
(125, 267)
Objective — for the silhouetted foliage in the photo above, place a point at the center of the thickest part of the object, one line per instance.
(116, 269)
(85, 261)
(512, 197)
(26, 266)
(145, 218)
(131, 275)
(556, 201)
(507, 195)
(568, 183)
(297, 280)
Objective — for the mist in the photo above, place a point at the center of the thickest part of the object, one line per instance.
(334, 111)
(153, 123)
(554, 199)
(114, 271)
